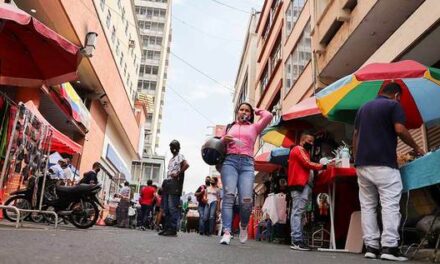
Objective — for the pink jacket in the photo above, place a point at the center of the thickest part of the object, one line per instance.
(247, 133)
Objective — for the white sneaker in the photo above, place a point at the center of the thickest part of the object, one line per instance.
(243, 235)
(226, 239)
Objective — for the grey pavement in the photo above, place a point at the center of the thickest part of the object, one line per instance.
(34, 243)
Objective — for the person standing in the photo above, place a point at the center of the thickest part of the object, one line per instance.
(378, 124)
(300, 182)
(146, 202)
(201, 199)
(213, 198)
(91, 177)
(172, 188)
(122, 210)
(237, 171)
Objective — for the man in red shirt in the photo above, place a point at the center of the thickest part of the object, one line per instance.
(300, 183)
(146, 201)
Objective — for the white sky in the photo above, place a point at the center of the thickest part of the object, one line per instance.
(211, 40)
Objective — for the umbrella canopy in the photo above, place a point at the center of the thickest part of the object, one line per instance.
(420, 85)
(306, 107)
(32, 54)
(262, 163)
(283, 134)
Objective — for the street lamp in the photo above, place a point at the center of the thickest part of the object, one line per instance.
(89, 46)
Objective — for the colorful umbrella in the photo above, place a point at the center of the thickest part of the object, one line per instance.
(283, 134)
(420, 84)
(262, 163)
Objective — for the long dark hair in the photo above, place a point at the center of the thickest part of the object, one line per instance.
(251, 119)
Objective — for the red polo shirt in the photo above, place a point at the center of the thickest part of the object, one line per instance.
(147, 195)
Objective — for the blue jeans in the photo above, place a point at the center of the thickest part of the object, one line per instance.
(201, 210)
(299, 201)
(209, 216)
(145, 216)
(172, 211)
(237, 175)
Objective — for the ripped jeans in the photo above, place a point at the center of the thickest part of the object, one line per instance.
(237, 175)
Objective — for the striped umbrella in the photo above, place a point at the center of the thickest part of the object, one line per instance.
(283, 134)
(420, 97)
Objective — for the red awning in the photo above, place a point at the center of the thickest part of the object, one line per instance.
(306, 107)
(60, 142)
(31, 54)
(262, 163)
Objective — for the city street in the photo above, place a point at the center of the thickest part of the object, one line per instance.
(43, 244)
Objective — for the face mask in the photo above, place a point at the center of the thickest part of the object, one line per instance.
(207, 183)
(307, 146)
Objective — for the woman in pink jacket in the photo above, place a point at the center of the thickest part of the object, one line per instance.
(238, 168)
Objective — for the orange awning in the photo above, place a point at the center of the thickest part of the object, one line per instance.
(60, 142)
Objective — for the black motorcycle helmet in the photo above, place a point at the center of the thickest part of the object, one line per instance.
(213, 151)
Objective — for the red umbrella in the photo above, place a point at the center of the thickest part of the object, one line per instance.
(32, 54)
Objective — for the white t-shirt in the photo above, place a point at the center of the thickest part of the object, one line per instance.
(212, 194)
(174, 164)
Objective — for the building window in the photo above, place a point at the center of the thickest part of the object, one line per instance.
(121, 59)
(113, 34)
(109, 19)
(123, 14)
(275, 56)
(244, 91)
(119, 4)
(298, 59)
(292, 13)
(126, 27)
(264, 79)
(117, 47)
(125, 69)
(102, 4)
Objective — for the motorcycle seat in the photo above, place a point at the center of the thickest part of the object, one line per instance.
(76, 189)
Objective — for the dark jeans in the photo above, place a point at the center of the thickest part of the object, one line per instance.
(201, 210)
(172, 211)
(209, 216)
(146, 211)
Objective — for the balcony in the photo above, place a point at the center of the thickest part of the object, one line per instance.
(348, 32)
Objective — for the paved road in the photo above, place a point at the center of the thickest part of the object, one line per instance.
(42, 244)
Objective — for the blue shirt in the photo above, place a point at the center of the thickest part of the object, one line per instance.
(377, 138)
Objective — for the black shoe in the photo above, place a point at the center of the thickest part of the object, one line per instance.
(300, 246)
(392, 253)
(170, 233)
(161, 233)
(372, 253)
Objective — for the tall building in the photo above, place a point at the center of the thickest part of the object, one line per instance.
(154, 23)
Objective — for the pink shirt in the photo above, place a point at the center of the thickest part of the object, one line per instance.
(245, 134)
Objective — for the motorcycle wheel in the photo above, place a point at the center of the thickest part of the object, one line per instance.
(50, 218)
(84, 217)
(21, 203)
(37, 218)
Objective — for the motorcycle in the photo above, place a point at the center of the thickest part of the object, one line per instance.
(78, 204)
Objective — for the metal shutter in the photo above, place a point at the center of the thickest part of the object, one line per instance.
(433, 135)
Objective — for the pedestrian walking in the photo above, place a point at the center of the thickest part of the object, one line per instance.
(300, 182)
(202, 201)
(237, 172)
(210, 212)
(378, 124)
(124, 204)
(146, 201)
(172, 188)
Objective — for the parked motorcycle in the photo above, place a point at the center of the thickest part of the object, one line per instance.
(78, 204)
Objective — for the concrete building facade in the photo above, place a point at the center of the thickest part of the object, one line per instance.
(154, 24)
(103, 85)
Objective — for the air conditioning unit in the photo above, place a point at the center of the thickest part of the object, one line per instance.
(131, 43)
